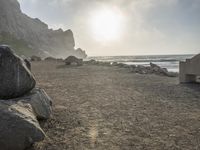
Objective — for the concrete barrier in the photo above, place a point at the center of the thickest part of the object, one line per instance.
(189, 70)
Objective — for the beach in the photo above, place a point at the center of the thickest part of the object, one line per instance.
(109, 108)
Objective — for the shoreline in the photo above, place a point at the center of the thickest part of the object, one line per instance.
(171, 62)
(141, 69)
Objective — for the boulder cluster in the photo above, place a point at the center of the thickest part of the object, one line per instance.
(152, 69)
(21, 103)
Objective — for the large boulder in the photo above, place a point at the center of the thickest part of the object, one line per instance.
(141, 69)
(162, 71)
(158, 70)
(15, 77)
(40, 102)
(19, 127)
(72, 60)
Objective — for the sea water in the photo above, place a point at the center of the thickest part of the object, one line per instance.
(171, 62)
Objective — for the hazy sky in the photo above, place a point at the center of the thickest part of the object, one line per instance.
(124, 27)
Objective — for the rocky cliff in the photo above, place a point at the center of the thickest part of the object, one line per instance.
(31, 36)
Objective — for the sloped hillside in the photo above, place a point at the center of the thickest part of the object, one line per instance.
(32, 36)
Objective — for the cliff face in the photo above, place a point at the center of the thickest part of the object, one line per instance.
(35, 34)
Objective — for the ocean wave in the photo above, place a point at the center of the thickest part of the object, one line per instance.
(152, 58)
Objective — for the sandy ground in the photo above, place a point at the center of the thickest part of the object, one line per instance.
(110, 108)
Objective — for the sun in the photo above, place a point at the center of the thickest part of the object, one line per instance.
(106, 24)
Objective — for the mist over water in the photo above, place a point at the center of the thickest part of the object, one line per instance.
(171, 62)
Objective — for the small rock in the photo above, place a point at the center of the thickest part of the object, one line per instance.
(36, 58)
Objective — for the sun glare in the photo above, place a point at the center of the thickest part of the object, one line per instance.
(106, 24)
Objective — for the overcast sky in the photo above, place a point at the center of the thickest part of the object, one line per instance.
(146, 27)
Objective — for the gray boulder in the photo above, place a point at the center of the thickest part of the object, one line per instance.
(19, 127)
(40, 102)
(162, 71)
(141, 69)
(158, 70)
(72, 60)
(15, 77)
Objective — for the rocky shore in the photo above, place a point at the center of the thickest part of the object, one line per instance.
(152, 69)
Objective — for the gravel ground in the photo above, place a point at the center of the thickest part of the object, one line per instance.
(110, 108)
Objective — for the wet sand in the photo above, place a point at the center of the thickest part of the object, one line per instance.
(110, 108)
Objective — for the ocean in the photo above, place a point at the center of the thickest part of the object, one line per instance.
(171, 62)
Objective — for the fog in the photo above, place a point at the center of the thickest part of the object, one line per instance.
(124, 27)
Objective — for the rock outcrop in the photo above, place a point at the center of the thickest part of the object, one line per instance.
(162, 71)
(15, 77)
(21, 30)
